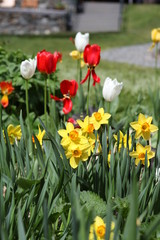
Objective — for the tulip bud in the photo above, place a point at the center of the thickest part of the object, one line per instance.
(111, 89)
(27, 68)
(81, 41)
(46, 62)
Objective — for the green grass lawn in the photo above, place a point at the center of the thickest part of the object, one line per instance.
(138, 21)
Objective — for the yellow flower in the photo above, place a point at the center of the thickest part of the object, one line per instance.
(76, 55)
(155, 36)
(140, 154)
(98, 228)
(143, 127)
(123, 139)
(99, 118)
(86, 126)
(14, 133)
(91, 141)
(72, 136)
(39, 136)
(77, 154)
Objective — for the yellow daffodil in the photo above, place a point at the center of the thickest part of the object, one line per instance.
(140, 154)
(155, 36)
(86, 126)
(14, 133)
(99, 118)
(98, 229)
(123, 140)
(143, 127)
(39, 136)
(91, 141)
(76, 55)
(77, 154)
(72, 136)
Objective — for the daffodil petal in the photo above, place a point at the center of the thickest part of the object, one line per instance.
(74, 162)
(153, 128)
(62, 133)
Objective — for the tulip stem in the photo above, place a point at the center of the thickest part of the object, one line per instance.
(64, 119)
(0, 120)
(27, 106)
(49, 93)
(156, 62)
(88, 93)
(28, 120)
(45, 99)
(108, 106)
(78, 71)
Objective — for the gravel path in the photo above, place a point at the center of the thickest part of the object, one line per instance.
(139, 55)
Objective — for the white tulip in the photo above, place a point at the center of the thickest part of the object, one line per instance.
(111, 89)
(28, 67)
(81, 41)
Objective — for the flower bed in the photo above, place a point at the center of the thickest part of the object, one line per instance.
(68, 170)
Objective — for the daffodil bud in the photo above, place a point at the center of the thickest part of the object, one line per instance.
(81, 41)
(111, 89)
(27, 68)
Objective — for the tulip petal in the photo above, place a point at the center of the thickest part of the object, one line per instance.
(85, 53)
(86, 77)
(96, 79)
(56, 98)
(6, 88)
(50, 63)
(69, 87)
(81, 40)
(5, 101)
(67, 105)
(65, 86)
(46, 62)
(73, 88)
(41, 61)
(93, 54)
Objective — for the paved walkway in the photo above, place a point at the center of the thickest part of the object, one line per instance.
(138, 55)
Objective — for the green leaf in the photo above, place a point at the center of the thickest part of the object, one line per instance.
(130, 226)
(21, 231)
(26, 183)
(93, 202)
(152, 228)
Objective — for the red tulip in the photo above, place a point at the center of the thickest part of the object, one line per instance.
(68, 90)
(91, 57)
(72, 120)
(58, 56)
(6, 89)
(46, 62)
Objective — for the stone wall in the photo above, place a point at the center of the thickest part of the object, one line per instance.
(44, 20)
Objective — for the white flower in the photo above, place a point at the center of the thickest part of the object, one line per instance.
(111, 89)
(81, 41)
(28, 67)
